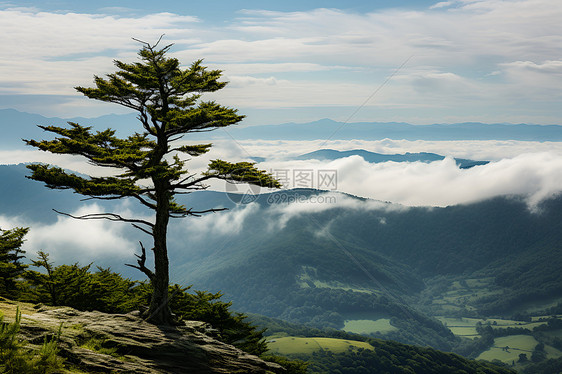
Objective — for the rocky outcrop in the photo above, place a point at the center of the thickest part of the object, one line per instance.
(124, 343)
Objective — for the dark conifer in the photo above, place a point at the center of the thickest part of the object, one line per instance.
(10, 255)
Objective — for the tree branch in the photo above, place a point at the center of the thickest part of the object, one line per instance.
(108, 216)
(197, 213)
(142, 261)
(143, 229)
(195, 182)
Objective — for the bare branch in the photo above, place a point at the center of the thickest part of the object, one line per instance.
(136, 196)
(174, 139)
(194, 182)
(143, 229)
(186, 178)
(144, 202)
(142, 261)
(143, 117)
(102, 198)
(151, 47)
(108, 216)
(197, 213)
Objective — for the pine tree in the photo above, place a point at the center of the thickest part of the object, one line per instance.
(167, 100)
(10, 255)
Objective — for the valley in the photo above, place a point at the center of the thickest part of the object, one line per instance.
(471, 279)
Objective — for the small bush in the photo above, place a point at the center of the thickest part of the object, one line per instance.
(16, 358)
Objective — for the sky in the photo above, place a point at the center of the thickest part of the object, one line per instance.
(296, 61)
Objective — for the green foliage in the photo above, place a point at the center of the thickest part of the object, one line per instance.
(16, 358)
(547, 367)
(78, 287)
(97, 345)
(232, 326)
(10, 255)
(388, 356)
(539, 353)
(242, 172)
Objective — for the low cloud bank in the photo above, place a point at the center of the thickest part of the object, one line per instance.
(223, 223)
(72, 240)
(532, 169)
(535, 175)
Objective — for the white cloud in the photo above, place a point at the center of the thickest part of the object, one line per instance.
(483, 150)
(540, 79)
(459, 45)
(267, 68)
(442, 4)
(536, 176)
(221, 223)
(297, 205)
(52, 52)
(517, 167)
(78, 240)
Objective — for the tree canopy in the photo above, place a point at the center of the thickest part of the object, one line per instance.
(167, 99)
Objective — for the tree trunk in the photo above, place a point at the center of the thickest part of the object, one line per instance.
(159, 312)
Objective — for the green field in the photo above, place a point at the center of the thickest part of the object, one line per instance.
(293, 345)
(368, 326)
(460, 326)
(461, 295)
(466, 327)
(538, 318)
(517, 344)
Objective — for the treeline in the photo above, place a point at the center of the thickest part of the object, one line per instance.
(531, 277)
(392, 357)
(386, 357)
(553, 365)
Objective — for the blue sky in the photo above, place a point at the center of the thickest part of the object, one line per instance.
(298, 61)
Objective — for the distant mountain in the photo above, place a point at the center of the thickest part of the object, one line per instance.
(331, 154)
(327, 129)
(30, 200)
(16, 125)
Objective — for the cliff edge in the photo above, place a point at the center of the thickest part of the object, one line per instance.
(124, 343)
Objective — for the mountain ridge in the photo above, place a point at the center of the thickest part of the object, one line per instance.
(373, 157)
(17, 125)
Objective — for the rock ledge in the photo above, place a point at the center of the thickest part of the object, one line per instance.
(135, 346)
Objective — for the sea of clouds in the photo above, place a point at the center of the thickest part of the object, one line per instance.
(530, 169)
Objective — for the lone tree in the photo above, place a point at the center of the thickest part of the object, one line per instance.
(167, 100)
